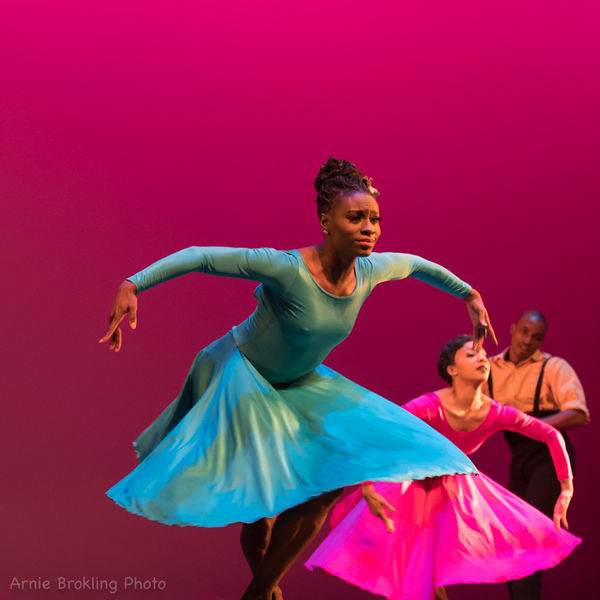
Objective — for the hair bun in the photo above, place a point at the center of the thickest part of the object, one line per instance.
(339, 177)
(334, 168)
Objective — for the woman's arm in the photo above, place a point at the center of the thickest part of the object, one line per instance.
(378, 505)
(388, 266)
(515, 420)
(393, 265)
(419, 407)
(271, 267)
(480, 320)
(125, 304)
(422, 407)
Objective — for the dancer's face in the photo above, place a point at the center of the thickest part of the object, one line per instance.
(527, 335)
(470, 365)
(352, 224)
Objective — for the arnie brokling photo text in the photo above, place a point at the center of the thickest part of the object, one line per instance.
(125, 584)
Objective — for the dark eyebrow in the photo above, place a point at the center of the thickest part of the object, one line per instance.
(360, 211)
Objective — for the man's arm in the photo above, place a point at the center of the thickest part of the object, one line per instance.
(567, 419)
(568, 393)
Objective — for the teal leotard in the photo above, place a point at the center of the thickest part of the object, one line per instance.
(260, 424)
(296, 323)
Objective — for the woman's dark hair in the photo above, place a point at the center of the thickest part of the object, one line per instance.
(337, 178)
(448, 353)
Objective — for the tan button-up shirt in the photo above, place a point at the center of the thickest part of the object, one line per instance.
(515, 385)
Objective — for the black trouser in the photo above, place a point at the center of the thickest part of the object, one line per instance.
(533, 478)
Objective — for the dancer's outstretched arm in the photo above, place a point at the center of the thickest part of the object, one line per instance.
(125, 304)
(515, 420)
(378, 505)
(480, 320)
(394, 265)
(562, 503)
(271, 267)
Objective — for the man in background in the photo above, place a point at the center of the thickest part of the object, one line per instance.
(546, 387)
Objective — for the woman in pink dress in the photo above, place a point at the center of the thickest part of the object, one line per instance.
(450, 529)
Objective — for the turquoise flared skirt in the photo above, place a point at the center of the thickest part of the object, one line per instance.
(234, 448)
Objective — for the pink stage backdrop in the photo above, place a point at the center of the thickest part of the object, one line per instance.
(129, 130)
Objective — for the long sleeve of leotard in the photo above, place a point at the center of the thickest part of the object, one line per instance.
(421, 407)
(274, 268)
(394, 265)
(514, 420)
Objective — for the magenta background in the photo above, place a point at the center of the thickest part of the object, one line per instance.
(129, 130)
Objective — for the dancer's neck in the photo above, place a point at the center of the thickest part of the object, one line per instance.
(336, 268)
(463, 397)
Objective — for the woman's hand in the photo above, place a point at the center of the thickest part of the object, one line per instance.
(480, 320)
(562, 504)
(125, 303)
(377, 505)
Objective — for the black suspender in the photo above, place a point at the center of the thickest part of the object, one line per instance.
(538, 387)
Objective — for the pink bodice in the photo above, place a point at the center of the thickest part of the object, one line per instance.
(428, 407)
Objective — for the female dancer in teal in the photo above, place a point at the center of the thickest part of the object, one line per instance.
(262, 433)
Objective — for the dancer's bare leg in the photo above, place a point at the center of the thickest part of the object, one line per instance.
(255, 539)
(440, 594)
(292, 532)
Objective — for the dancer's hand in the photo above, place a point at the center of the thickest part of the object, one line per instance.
(480, 320)
(377, 505)
(562, 504)
(125, 303)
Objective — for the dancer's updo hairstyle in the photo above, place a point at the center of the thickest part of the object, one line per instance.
(448, 353)
(338, 178)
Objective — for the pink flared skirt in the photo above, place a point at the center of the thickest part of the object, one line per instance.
(450, 529)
